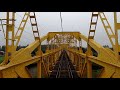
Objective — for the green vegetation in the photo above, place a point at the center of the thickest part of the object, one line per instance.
(43, 48)
(95, 73)
(1, 58)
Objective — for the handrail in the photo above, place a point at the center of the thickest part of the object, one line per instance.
(34, 59)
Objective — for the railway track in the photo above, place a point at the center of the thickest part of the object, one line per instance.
(64, 68)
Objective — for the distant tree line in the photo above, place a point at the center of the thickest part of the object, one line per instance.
(2, 48)
(43, 48)
(94, 52)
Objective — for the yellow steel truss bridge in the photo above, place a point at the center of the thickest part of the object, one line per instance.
(62, 58)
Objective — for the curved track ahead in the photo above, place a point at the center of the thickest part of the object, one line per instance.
(64, 68)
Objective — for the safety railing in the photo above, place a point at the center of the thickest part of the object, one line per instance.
(106, 70)
(20, 70)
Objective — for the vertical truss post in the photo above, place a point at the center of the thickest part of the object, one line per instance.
(48, 45)
(51, 45)
(35, 27)
(80, 45)
(76, 44)
(116, 28)
(48, 64)
(89, 69)
(10, 21)
(39, 68)
(91, 35)
(37, 37)
(80, 65)
(48, 48)
(93, 25)
(54, 43)
(7, 35)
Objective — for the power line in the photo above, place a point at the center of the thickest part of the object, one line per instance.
(61, 21)
(25, 31)
(42, 27)
(17, 27)
(30, 23)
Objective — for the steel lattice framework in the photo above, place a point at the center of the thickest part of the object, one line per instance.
(16, 62)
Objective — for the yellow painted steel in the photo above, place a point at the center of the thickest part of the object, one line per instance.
(36, 37)
(21, 28)
(19, 60)
(91, 35)
(10, 22)
(108, 29)
(116, 28)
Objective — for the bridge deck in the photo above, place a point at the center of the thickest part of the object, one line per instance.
(64, 68)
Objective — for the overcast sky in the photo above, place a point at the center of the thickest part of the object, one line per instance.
(50, 22)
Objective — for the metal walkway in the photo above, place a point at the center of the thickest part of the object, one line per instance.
(64, 68)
